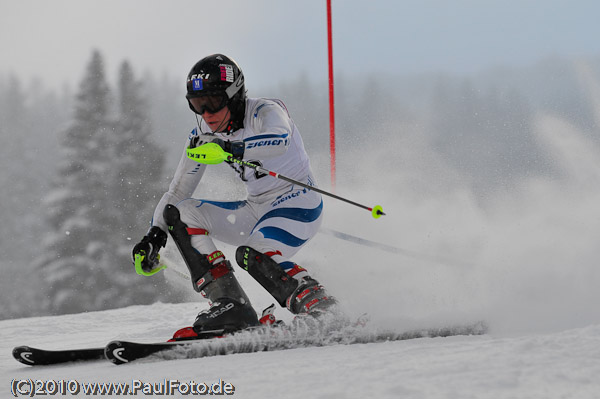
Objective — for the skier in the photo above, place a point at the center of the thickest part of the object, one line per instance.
(275, 221)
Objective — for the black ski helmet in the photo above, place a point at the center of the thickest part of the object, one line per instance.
(219, 75)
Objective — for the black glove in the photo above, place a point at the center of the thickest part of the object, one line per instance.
(235, 148)
(152, 242)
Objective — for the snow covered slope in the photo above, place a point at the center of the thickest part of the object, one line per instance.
(563, 364)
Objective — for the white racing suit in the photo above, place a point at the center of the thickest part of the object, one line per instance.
(277, 217)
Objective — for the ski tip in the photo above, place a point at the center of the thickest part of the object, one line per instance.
(24, 354)
(113, 352)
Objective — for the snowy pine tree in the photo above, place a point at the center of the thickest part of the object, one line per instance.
(75, 261)
(139, 162)
(96, 203)
(136, 181)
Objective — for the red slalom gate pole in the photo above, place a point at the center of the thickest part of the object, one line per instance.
(331, 97)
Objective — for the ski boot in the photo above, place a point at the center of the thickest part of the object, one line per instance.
(230, 308)
(309, 297)
(267, 320)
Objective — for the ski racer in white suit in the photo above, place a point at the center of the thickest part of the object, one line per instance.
(275, 220)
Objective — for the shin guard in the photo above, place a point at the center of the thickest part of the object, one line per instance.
(267, 272)
(197, 263)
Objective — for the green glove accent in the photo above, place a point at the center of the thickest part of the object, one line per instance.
(138, 266)
(209, 153)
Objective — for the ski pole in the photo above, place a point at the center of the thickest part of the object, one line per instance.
(212, 153)
(376, 211)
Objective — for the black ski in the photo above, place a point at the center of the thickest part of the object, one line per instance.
(258, 339)
(120, 352)
(37, 357)
(271, 339)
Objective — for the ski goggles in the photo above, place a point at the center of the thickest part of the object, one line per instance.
(210, 104)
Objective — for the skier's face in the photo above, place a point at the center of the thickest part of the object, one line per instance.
(217, 121)
(213, 110)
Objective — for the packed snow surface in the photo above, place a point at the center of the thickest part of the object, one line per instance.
(564, 364)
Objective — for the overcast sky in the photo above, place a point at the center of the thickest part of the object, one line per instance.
(275, 39)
